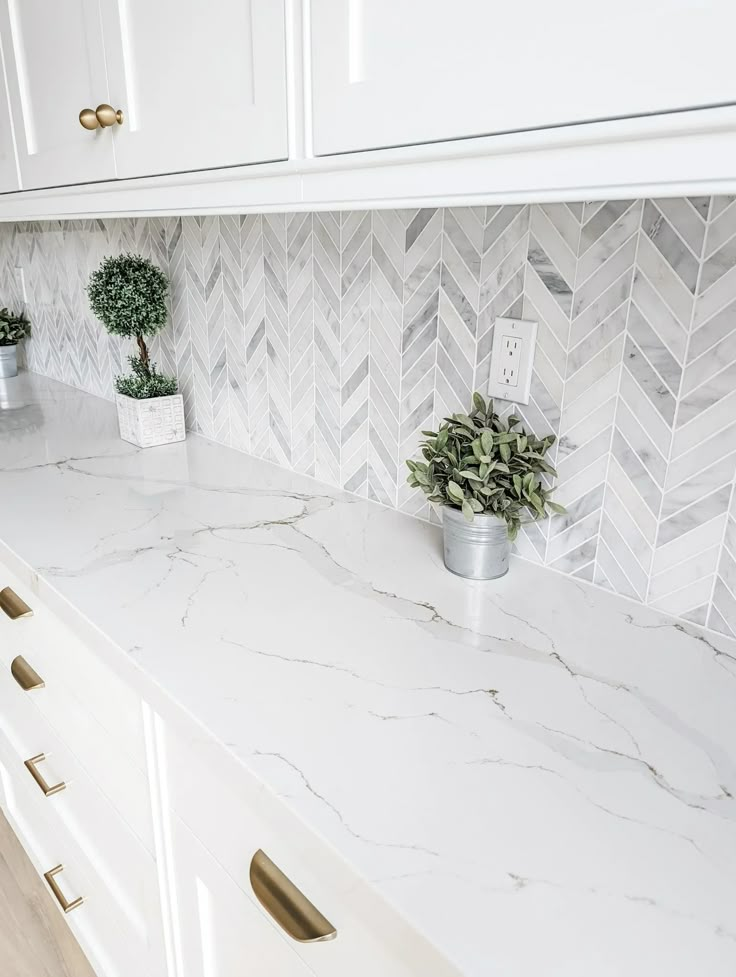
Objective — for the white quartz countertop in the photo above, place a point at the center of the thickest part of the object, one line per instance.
(538, 775)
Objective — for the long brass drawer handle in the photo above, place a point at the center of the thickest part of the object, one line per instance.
(26, 677)
(50, 877)
(289, 907)
(48, 789)
(13, 605)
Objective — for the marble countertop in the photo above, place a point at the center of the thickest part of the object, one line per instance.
(539, 775)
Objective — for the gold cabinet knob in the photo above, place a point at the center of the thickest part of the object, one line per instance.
(88, 119)
(103, 116)
(108, 116)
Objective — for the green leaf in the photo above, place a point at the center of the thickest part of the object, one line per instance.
(467, 473)
(479, 403)
(556, 507)
(467, 510)
(486, 440)
(475, 505)
(455, 492)
(477, 449)
(505, 451)
(517, 485)
(537, 503)
(464, 420)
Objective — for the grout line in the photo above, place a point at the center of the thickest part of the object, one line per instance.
(713, 376)
(679, 393)
(628, 546)
(721, 547)
(634, 266)
(610, 552)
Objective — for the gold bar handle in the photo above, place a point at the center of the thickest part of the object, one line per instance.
(50, 877)
(26, 676)
(286, 904)
(13, 605)
(48, 789)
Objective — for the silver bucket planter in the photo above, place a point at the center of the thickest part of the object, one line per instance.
(8, 361)
(478, 550)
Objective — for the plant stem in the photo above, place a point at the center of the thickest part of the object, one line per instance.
(142, 350)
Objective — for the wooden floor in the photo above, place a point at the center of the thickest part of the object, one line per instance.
(35, 941)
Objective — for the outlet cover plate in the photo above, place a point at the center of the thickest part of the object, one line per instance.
(506, 332)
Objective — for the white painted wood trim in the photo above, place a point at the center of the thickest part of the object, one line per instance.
(681, 153)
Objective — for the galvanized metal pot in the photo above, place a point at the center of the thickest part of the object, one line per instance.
(479, 549)
(8, 361)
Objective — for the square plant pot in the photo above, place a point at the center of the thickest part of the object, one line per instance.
(146, 423)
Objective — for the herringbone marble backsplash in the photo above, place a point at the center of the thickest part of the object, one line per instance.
(326, 342)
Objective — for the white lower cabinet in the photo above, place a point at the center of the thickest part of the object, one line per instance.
(113, 945)
(218, 931)
(155, 826)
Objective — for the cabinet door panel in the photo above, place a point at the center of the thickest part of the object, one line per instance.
(55, 67)
(202, 84)
(9, 178)
(388, 73)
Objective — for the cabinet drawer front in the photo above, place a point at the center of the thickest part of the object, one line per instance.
(45, 722)
(221, 933)
(102, 843)
(112, 946)
(74, 677)
(82, 803)
(234, 815)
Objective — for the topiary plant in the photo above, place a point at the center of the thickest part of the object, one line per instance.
(127, 293)
(13, 328)
(145, 382)
(478, 463)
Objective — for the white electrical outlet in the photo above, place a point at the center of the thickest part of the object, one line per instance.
(512, 358)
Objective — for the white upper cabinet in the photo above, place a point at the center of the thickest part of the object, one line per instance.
(55, 67)
(398, 72)
(8, 166)
(201, 83)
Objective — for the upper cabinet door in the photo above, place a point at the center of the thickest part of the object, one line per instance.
(202, 83)
(397, 72)
(55, 67)
(9, 179)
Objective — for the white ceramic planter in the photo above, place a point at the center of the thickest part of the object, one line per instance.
(147, 423)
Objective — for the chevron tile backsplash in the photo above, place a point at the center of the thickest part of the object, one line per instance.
(325, 342)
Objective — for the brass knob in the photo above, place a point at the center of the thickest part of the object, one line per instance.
(88, 119)
(108, 116)
(104, 115)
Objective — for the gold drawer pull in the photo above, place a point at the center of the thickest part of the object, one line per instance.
(12, 604)
(58, 894)
(48, 789)
(289, 907)
(26, 677)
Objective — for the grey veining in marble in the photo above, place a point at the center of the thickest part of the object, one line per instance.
(327, 342)
(538, 774)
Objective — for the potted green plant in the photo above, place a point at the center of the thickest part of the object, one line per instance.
(128, 294)
(487, 475)
(13, 328)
